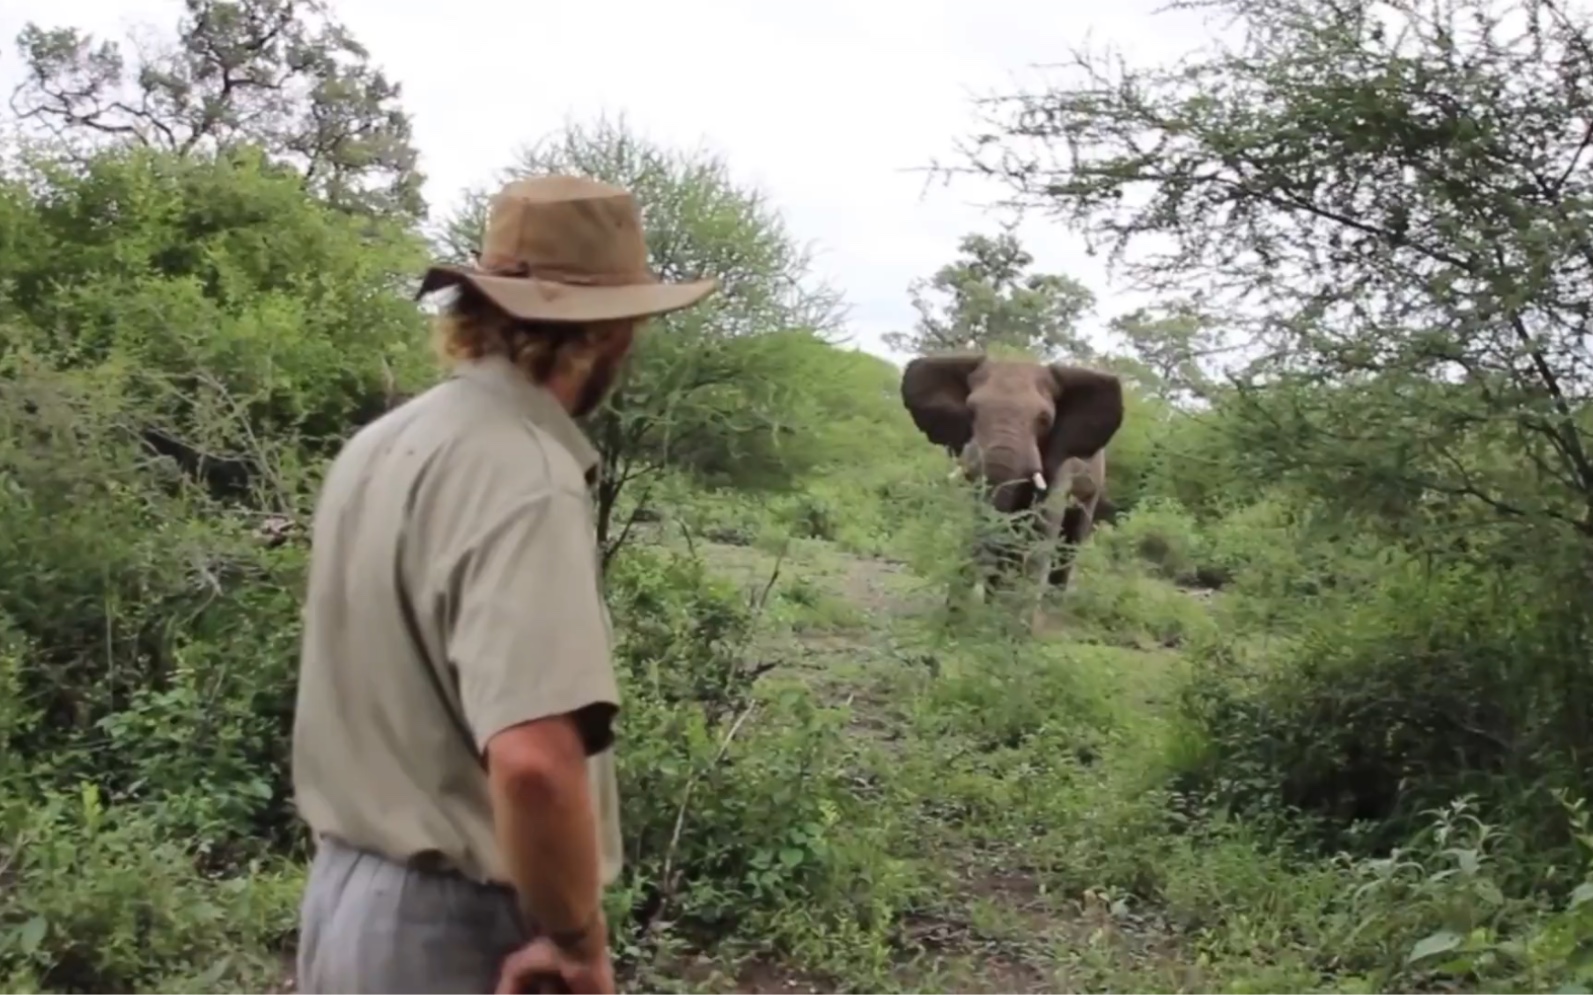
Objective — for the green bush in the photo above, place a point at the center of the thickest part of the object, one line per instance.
(738, 805)
(158, 635)
(107, 898)
(1160, 534)
(240, 313)
(1004, 695)
(1127, 601)
(1394, 696)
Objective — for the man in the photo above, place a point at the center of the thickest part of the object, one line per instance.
(452, 741)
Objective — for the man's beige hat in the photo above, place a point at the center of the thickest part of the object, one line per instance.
(566, 249)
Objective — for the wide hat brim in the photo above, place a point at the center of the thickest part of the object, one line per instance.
(533, 299)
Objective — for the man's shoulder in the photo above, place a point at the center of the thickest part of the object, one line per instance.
(469, 459)
(458, 453)
(478, 439)
(452, 423)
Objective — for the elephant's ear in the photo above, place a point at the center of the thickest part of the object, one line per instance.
(1089, 411)
(935, 391)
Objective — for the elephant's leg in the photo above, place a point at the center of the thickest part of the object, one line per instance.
(1062, 568)
(1076, 522)
(1041, 538)
(983, 572)
(1004, 555)
(974, 576)
(969, 581)
(1046, 527)
(1105, 510)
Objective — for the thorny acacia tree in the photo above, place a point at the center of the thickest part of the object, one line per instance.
(1394, 201)
(1397, 193)
(988, 297)
(716, 390)
(279, 74)
(1166, 349)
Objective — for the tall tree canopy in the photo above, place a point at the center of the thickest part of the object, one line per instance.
(1398, 197)
(280, 74)
(988, 297)
(1168, 348)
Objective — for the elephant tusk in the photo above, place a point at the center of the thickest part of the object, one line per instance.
(1039, 480)
(956, 472)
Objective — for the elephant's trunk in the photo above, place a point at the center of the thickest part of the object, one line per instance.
(1012, 471)
(1014, 495)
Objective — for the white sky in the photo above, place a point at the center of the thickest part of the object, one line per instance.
(828, 105)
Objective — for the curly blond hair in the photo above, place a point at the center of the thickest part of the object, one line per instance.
(471, 326)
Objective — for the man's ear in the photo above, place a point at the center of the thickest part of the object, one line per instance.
(1089, 411)
(935, 392)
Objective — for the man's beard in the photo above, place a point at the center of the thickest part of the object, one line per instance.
(602, 376)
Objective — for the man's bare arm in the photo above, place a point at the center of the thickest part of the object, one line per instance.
(546, 827)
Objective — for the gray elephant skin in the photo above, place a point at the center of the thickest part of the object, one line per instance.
(1034, 433)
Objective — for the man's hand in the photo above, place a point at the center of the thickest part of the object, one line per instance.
(543, 966)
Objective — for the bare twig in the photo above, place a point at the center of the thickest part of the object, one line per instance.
(760, 600)
(669, 875)
(17, 845)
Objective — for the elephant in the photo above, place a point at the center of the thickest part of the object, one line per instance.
(1034, 433)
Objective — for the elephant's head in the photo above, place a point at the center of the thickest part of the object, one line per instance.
(1013, 422)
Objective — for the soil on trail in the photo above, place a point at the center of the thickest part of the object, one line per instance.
(997, 928)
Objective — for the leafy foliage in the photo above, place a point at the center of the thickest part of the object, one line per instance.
(989, 300)
(1401, 202)
(243, 317)
(279, 75)
(1166, 349)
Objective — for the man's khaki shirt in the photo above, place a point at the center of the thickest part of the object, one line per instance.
(453, 592)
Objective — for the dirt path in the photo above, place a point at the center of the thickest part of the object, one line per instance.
(996, 927)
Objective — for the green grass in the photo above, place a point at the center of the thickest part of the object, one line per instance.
(1005, 772)
(1022, 829)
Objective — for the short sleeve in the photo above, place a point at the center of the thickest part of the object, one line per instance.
(529, 637)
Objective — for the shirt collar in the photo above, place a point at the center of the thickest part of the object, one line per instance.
(536, 402)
